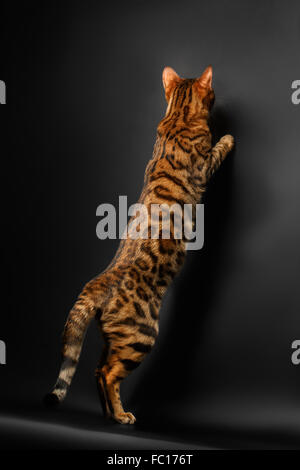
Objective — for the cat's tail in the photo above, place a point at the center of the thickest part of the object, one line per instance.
(73, 336)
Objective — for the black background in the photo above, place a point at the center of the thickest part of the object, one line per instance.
(84, 97)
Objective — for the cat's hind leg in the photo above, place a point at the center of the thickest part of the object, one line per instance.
(100, 383)
(110, 378)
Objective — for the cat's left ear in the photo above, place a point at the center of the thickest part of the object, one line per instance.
(205, 80)
(170, 80)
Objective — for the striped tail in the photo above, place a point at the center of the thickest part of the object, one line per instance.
(73, 336)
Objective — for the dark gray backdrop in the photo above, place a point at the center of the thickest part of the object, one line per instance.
(84, 97)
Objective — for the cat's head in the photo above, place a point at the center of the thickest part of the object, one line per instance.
(195, 95)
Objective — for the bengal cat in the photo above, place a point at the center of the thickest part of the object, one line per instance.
(126, 297)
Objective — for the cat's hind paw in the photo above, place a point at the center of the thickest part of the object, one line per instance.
(125, 418)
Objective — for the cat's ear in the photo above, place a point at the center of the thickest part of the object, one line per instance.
(205, 80)
(170, 80)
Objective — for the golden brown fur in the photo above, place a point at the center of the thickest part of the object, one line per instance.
(126, 297)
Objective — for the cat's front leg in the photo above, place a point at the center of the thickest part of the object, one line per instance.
(219, 152)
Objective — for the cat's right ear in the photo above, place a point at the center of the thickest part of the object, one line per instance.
(170, 80)
(205, 80)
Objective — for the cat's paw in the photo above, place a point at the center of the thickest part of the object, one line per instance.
(125, 418)
(228, 140)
